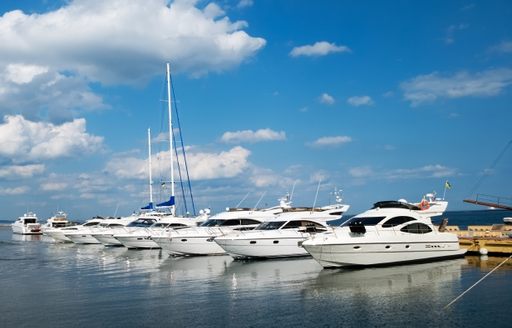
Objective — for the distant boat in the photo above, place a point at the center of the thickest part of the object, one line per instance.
(27, 225)
(507, 220)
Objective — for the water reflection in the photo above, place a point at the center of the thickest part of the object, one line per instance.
(18, 237)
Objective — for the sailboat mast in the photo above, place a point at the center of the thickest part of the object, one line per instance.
(171, 147)
(150, 170)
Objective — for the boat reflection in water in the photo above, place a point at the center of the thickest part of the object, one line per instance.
(19, 237)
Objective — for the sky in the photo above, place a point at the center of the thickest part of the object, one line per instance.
(380, 99)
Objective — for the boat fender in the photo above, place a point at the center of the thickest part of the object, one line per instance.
(424, 205)
(483, 251)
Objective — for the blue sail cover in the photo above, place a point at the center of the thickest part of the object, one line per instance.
(170, 202)
(148, 207)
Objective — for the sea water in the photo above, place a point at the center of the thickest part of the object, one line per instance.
(47, 284)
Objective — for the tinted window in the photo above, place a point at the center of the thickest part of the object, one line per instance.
(232, 222)
(292, 225)
(88, 224)
(416, 228)
(270, 225)
(367, 221)
(397, 220)
(249, 221)
(211, 223)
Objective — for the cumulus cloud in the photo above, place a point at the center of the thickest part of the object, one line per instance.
(126, 41)
(24, 171)
(326, 99)
(35, 90)
(262, 178)
(321, 48)
(360, 101)
(331, 141)
(251, 136)
(202, 165)
(428, 88)
(245, 3)
(14, 191)
(22, 140)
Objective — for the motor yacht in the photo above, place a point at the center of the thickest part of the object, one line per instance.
(142, 238)
(82, 234)
(104, 232)
(200, 240)
(390, 232)
(27, 225)
(282, 235)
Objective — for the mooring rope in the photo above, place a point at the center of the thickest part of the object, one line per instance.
(476, 283)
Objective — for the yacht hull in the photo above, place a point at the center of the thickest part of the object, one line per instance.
(192, 245)
(344, 255)
(138, 242)
(25, 230)
(57, 235)
(83, 239)
(263, 247)
(107, 239)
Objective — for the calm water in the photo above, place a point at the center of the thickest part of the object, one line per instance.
(43, 284)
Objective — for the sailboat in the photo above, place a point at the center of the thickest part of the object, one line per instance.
(142, 238)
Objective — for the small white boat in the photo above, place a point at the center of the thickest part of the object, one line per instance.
(283, 235)
(27, 225)
(106, 230)
(507, 220)
(391, 232)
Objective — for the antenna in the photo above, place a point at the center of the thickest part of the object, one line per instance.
(237, 205)
(256, 206)
(293, 189)
(316, 196)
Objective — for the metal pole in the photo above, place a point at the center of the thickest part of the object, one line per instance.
(173, 207)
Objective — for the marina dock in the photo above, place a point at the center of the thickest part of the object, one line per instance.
(483, 239)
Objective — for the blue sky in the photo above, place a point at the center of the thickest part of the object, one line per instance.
(384, 100)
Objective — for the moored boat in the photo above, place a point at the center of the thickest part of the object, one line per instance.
(27, 225)
(391, 232)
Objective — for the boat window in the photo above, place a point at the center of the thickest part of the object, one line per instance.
(30, 220)
(89, 224)
(113, 225)
(397, 220)
(177, 225)
(416, 228)
(270, 225)
(367, 221)
(232, 222)
(211, 223)
(292, 224)
(249, 221)
(142, 223)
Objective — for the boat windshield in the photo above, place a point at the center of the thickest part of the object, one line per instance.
(30, 220)
(89, 224)
(271, 225)
(367, 221)
(212, 223)
(142, 223)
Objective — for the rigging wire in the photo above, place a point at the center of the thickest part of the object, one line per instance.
(494, 163)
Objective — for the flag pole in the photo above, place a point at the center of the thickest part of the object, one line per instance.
(445, 185)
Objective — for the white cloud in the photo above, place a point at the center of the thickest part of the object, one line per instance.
(14, 191)
(326, 98)
(427, 88)
(53, 186)
(427, 171)
(331, 141)
(451, 30)
(320, 48)
(121, 41)
(262, 178)
(21, 139)
(25, 171)
(505, 47)
(360, 101)
(36, 90)
(361, 172)
(245, 3)
(201, 165)
(253, 136)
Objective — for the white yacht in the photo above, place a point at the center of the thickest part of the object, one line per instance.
(27, 225)
(390, 232)
(281, 236)
(106, 230)
(59, 234)
(142, 238)
(199, 240)
(82, 233)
